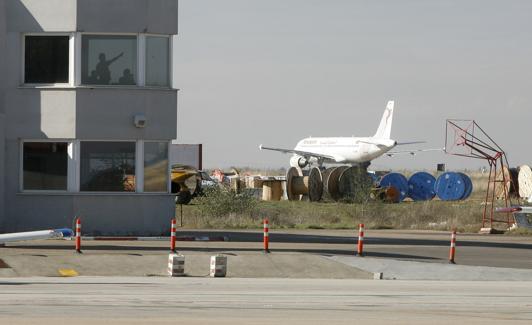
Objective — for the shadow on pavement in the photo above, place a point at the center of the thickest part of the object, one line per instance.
(235, 236)
(229, 250)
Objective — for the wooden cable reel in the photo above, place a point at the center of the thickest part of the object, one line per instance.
(298, 185)
(325, 176)
(354, 184)
(524, 179)
(332, 182)
(506, 182)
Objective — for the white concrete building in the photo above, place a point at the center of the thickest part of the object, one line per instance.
(87, 114)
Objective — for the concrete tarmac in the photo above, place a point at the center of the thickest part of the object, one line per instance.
(296, 254)
(155, 300)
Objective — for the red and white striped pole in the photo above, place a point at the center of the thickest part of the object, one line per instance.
(172, 235)
(266, 235)
(360, 246)
(452, 250)
(78, 235)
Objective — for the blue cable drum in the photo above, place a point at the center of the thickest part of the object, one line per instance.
(421, 186)
(398, 181)
(468, 185)
(450, 186)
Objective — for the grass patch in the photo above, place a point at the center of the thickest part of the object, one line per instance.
(433, 215)
(223, 209)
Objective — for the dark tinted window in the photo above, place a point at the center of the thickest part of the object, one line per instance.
(46, 59)
(109, 60)
(45, 165)
(107, 166)
(156, 166)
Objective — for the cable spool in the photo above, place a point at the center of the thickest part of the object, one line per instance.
(421, 186)
(524, 178)
(325, 176)
(503, 181)
(355, 184)
(450, 186)
(398, 181)
(468, 186)
(514, 185)
(298, 185)
(291, 175)
(332, 182)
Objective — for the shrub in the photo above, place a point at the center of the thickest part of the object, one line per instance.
(222, 202)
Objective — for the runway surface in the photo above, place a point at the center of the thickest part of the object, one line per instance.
(134, 300)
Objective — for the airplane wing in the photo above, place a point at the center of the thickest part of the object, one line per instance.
(411, 152)
(407, 143)
(305, 154)
(377, 143)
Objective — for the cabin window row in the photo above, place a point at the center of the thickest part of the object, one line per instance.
(102, 60)
(95, 166)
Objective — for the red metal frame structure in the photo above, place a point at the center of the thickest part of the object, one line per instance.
(470, 140)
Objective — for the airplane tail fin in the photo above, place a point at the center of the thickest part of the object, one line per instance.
(385, 128)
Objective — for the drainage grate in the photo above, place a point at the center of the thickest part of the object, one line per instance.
(4, 265)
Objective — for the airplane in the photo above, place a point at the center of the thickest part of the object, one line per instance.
(347, 150)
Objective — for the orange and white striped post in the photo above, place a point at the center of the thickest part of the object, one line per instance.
(452, 249)
(360, 245)
(78, 235)
(266, 235)
(172, 235)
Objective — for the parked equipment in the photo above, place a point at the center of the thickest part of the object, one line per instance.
(186, 183)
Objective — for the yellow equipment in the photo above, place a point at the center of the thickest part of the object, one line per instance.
(182, 180)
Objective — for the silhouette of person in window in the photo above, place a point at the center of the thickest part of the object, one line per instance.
(93, 78)
(127, 78)
(102, 68)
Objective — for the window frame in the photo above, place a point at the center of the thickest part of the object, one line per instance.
(74, 167)
(79, 49)
(141, 60)
(170, 59)
(71, 60)
(70, 157)
(80, 142)
(168, 168)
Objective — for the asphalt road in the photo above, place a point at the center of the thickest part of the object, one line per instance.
(122, 300)
(425, 246)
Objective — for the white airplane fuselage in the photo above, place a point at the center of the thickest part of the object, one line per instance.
(347, 150)
(343, 150)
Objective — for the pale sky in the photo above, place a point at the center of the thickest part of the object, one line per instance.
(276, 71)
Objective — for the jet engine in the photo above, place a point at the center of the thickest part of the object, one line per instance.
(298, 161)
